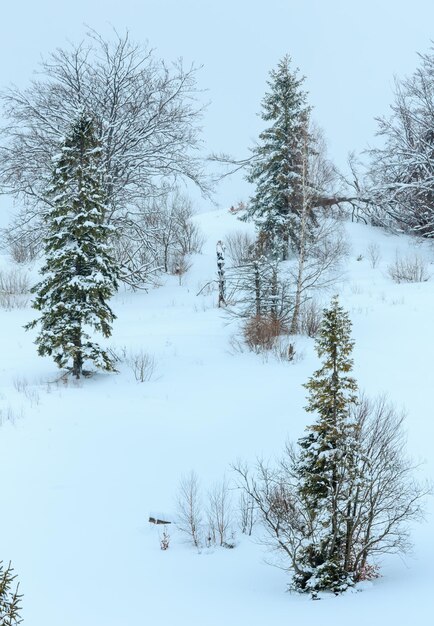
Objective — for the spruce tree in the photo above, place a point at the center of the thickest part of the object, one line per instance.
(277, 164)
(79, 274)
(327, 464)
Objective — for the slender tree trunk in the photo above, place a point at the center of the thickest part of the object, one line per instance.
(293, 330)
(258, 295)
(77, 364)
(221, 273)
(274, 292)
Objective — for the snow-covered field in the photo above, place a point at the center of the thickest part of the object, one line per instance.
(83, 465)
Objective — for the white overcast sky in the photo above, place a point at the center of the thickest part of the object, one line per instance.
(349, 51)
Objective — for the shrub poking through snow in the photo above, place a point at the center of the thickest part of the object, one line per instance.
(261, 331)
(408, 270)
(165, 539)
(142, 365)
(14, 289)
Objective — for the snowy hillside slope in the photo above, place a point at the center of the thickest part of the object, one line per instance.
(83, 464)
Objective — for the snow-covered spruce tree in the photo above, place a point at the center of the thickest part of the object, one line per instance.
(348, 492)
(79, 275)
(327, 463)
(10, 599)
(276, 166)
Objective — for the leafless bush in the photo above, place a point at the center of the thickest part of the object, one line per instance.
(261, 331)
(165, 539)
(181, 265)
(136, 256)
(240, 247)
(190, 239)
(408, 270)
(189, 508)
(22, 247)
(9, 414)
(236, 345)
(169, 220)
(374, 254)
(220, 516)
(319, 264)
(14, 289)
(247, 513)
(142, 364)
(22, 386)
(310, 318)
(283, 350)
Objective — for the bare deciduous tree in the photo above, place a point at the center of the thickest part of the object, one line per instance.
(320, 252)
(189, 507)
(402, 167)
(146, 116)
(240, 247)
(247, 513)
(220, 514)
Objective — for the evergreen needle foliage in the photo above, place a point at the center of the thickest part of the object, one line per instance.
(347, 492)
(10, 599)
(327, 461)
(79, 274)
(277, 165)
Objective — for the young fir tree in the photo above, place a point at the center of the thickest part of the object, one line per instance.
(327, 465)
(79, 275)
(277, 163)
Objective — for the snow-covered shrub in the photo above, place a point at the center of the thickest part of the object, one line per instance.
(310, 318)
(22, 386)
(180, 266)
(10, 414)
(409, 269)
(14, 289)
(142, 365)
(189, 238)
(22, 248)
(284, 349)
(260, 331)
(165, 539)
(240, 247)
(374, 254)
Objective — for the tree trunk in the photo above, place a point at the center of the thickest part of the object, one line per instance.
(302, 251)
(258, 298)
(221, 273)
(77, 364)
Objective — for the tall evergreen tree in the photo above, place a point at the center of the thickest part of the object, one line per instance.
(327, 465)
(277, 164)
(79, 275)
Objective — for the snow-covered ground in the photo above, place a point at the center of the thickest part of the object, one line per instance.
(83, 465)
